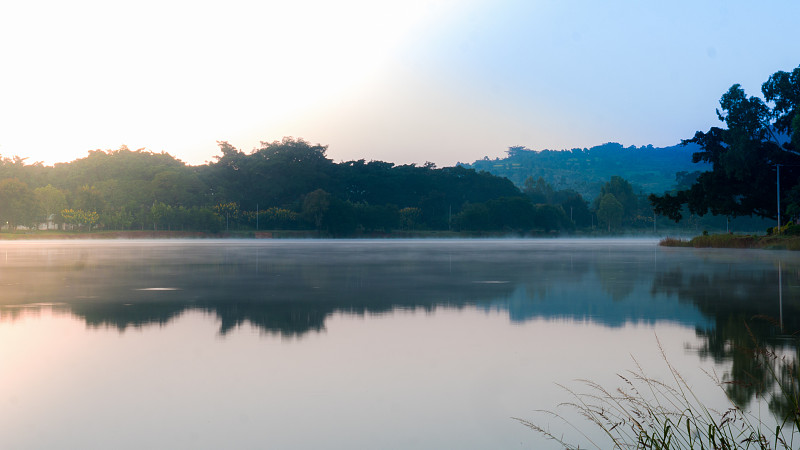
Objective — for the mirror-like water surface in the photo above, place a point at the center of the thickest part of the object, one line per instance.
(366, 344)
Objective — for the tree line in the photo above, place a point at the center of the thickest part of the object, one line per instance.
(292, 185)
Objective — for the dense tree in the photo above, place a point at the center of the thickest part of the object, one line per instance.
(473, 217)
(51, 202)
(570, 201)
(745, 156)
(610, 211)
(622, 191)
(274, 186)
(340, 218)
(17, 203)
(551, 217)
(539, 190)
(89, 198)
(574, 206)
(409, 218)
(511, 213)
(377, 217)
(315, 206)
(228, 213)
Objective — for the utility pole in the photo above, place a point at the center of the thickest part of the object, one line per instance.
(654, 222)
(779, 196)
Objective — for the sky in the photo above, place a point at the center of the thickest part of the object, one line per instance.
(409, 81)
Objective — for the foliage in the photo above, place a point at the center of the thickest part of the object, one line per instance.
(610, 211)
(409, 218)
(340, 218)
(473, 217)
(50, 201)
(744, 156)
(551, 217)
(228, 213)
(315, 207)
(539, 191)
(272, 218)
(17, 203)
(377, 217)
(622, 191)
(280, 185)
(80, 218)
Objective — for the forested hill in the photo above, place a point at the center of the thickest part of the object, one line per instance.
(650, 168)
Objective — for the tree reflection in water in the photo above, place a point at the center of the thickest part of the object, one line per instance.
(291, 288)
(754, 328)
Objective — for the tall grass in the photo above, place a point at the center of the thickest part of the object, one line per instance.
(785, 242)
(647, 413)
(673, 242)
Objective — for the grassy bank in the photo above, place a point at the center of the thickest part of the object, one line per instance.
(779, 242)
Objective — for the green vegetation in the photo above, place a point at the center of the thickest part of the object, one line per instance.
(585, 170)
(649, 413)
(755, 161)
(291, 185)
(769, 242)
(285, 185)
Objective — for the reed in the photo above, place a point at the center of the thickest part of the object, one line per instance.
(647, 413)
(673, 242)
(724, 241)
(771, 242)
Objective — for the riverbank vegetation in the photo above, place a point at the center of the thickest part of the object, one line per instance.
(735, 241)
(644, 412)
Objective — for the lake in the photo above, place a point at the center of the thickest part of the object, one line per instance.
(362, 343)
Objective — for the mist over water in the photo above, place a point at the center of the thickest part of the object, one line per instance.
(369, 343)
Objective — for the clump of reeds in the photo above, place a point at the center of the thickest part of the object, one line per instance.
(646, 413)
(723, 241)
(673, 242)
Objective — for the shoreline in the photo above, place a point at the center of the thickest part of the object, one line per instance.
(43, 235)
(737, 241)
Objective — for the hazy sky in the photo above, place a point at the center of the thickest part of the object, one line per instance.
(400, 81)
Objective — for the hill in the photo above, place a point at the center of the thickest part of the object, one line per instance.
(650, 169)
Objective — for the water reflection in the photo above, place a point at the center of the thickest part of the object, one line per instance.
(291, 288)
(754, 309)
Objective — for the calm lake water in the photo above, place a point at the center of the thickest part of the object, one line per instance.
(360, 344)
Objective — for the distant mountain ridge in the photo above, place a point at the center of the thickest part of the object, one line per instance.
(650, 169)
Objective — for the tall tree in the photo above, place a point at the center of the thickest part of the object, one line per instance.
(51, 202)
(539, 190)
(610, 211)
(17, 203)
(745, 156)
(622, 191)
